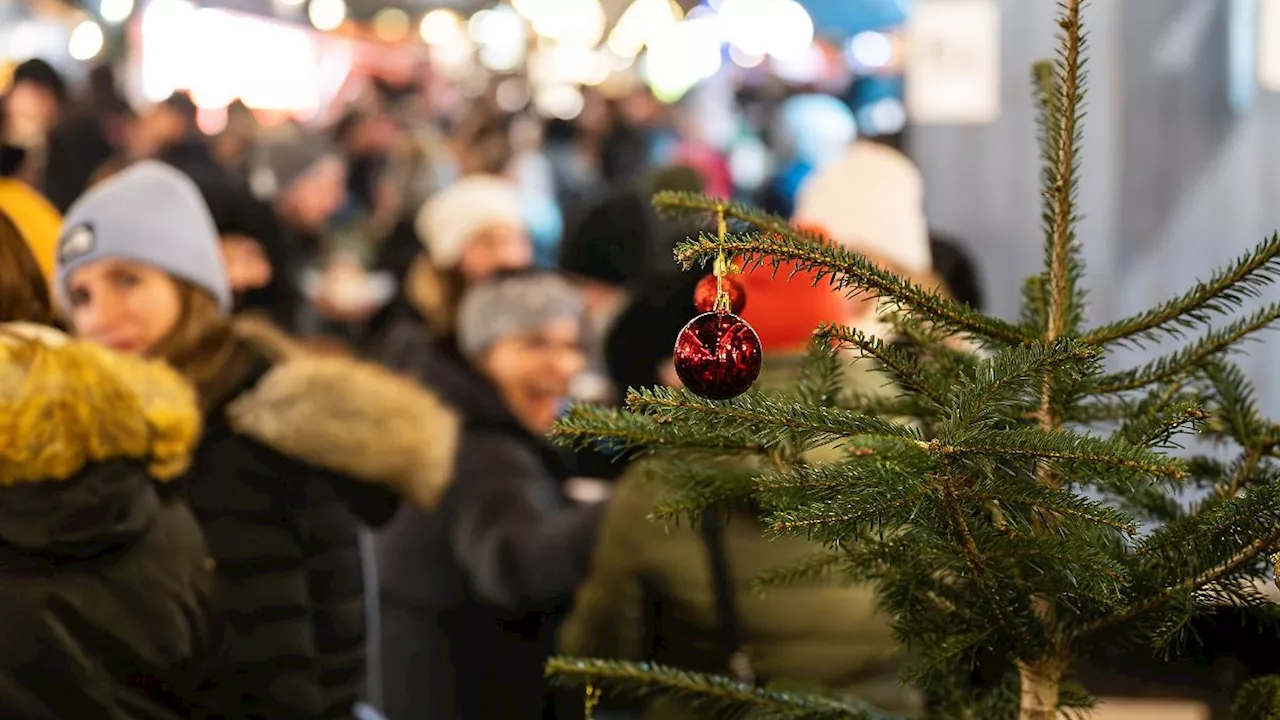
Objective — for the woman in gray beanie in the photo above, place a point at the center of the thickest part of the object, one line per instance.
(296, 451)
(471, 593)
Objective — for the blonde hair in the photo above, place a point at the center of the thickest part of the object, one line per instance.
(202, 343)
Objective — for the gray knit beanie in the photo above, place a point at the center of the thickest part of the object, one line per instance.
(513, 305)
(152, 214)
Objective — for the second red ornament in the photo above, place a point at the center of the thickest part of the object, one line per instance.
(704, 295)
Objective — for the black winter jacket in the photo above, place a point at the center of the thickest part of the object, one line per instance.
(297, 453)
(472, 592)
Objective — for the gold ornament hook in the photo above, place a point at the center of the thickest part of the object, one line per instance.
(721, 268)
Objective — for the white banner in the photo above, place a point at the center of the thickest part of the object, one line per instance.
(1269, 45)
(953, 62)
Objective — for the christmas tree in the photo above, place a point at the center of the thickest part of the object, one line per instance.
(1020, 506)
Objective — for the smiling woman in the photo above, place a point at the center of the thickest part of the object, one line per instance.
(485, 575)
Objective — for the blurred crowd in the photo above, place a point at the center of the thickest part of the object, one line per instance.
(278, 398)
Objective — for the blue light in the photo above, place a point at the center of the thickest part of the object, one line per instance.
(1242, 54)
(850, 17)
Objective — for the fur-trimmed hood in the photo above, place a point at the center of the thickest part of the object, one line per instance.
(349, 417)
(84, 435)
(67, 404)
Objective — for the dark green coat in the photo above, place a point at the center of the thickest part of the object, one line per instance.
(819, 635)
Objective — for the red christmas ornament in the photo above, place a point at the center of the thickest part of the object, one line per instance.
(718, 356)
(704, 295)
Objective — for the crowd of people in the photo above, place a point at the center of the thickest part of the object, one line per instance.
(277, 398)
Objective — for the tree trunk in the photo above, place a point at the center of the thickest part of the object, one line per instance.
(1040, 680)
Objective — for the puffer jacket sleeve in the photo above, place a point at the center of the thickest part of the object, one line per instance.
(511, 530)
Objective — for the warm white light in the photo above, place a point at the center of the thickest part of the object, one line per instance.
(501, 58)
(86, 41)
(277, 68)
(440, 26)
(166, 28)
(643, 20)
(291, 3)
(500, 32)
(809, 66)
(326, 15)
(682, 58)
(791, 30)
(870, 50)
(499, 26)
(748, 24)
(115, 11)
(580, 22)
(560, 101)
(391, 24)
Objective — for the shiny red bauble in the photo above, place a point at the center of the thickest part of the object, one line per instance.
(718, 356)
(704, 295)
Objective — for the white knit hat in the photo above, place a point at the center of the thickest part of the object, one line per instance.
(872, 201)
(453, 216)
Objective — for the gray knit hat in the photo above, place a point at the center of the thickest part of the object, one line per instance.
(512, 305)
(149, 213)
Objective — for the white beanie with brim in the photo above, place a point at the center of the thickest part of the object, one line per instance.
(871, 201)
(453, 216)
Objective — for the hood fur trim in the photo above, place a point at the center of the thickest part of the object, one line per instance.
(65, 404)
(355, 419)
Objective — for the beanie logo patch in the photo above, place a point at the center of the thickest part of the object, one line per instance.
(76, 243)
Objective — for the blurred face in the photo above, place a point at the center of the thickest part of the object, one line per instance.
(532, 371)
(247, 265)
(157, 127)
(493, 250)
(318, 195)
(31, 111)
(124, 305)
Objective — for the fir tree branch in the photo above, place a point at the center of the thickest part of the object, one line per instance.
(806, 569)
(586, 425)
(698, 486)
(1158, 429)
(1008, 373)
(973, 556)
(1242, 558)
(1236, 404)
(1062, 245)
(769, 416)
(1226, 290)
(1243, 472)
(1057, 502)
(1188, 358)
(708, 693)
(899, 364)
(848, 270)
(846, 518)
(1062, 446)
